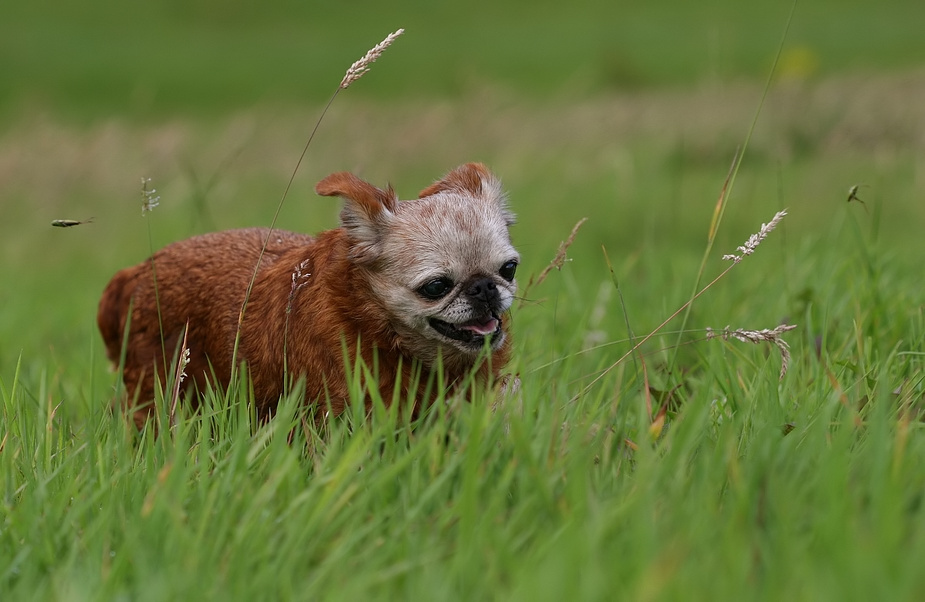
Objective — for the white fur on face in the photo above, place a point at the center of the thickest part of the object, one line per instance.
(451, 235)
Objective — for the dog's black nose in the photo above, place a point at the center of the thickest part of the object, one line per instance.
(483, 289)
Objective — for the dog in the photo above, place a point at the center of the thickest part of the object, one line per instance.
(408, 287)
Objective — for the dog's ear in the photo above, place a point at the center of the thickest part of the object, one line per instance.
(475, 180)
(366, 212)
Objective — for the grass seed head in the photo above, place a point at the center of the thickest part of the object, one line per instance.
(149, 197)
(299, 279)
(562, 254)
(360, 67)
(755, 239)
(770, 335)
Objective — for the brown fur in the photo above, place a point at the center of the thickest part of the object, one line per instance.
(202, 281)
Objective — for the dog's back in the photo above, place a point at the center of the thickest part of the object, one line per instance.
(200, 280)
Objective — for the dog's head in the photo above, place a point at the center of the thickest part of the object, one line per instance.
(442, 265)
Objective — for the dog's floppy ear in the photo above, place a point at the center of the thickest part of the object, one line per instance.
(472, 179)
(366, 212)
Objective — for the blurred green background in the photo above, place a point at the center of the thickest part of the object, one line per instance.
(206, 57)
(626, 113)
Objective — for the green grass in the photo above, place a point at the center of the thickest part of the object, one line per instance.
(542, 499)
(806, 488)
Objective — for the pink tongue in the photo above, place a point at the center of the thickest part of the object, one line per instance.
(486, 328)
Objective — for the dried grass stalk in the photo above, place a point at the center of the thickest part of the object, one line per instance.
(299, 279)
(755, 239)
(360, 67)
(149, 197)
(772, 335)
(561, 254)
(354, 73)
(558, 261)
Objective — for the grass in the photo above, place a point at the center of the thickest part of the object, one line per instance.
(753, 487)
(809, 488)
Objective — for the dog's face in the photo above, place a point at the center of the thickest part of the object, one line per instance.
(442, 265)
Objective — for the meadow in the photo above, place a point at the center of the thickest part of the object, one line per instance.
(686, 469)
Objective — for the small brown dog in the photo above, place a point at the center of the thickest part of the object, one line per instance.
(406, 285)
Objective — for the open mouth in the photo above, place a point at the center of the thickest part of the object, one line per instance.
(471, 332)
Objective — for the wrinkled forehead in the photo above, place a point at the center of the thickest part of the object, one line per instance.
(451, 233)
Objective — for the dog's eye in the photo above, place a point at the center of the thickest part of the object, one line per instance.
(507, 270)
(436, 289)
